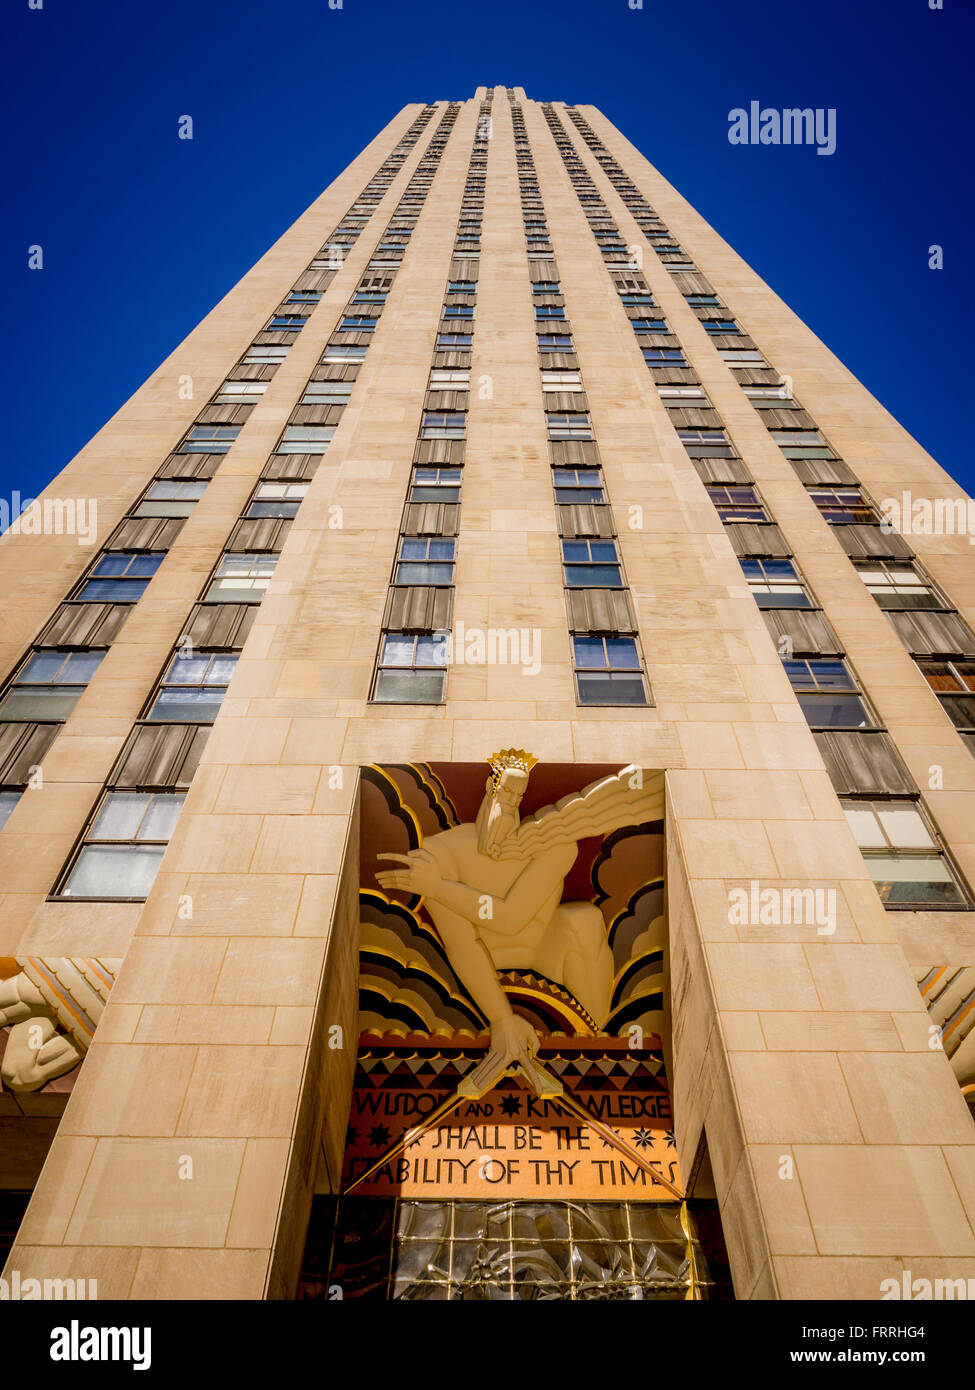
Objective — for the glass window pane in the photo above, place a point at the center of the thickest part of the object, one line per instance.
(221, 669)
(410, 687)
(113, 590)
(589, 652)
(111, 564)
(960, 709)
(610, 688)
(424, 574)
(600, 576)
(905, 827)
(622, 653)
(432, 651)
(80, 667)
(120, 816)
(835, 711)
(43, 666)
(40, 701)
(8, 800)
(142, 566)
(160, 823)
(397, 650)
(187, 670)
(910, 880)
(192, 706)
(114, 871)
(865, 827)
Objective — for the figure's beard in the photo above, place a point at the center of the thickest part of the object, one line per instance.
(494, 828)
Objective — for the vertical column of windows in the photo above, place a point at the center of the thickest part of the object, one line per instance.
(937, 637)
(607, 663)
(411, 666)
(40, 694)
(863, 764)
(119, 852)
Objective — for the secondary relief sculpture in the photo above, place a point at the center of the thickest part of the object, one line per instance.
(51, 1006)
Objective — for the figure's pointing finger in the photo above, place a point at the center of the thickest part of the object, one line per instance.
(389, 854)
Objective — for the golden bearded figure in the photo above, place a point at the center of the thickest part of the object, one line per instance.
(494, 891)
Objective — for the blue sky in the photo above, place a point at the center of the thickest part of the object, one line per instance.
(143, 233)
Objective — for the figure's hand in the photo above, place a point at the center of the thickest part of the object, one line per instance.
(514, 1038)
(421, 875)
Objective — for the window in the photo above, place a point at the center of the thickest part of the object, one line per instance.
(286, 321)
(273, 352)
(122, 851)
(649, 325)
(240, 392)
(578, 486)
(412, 668)
(898, 586)
(954, 684)
(327, 393)
(193, 687)
(571, 425)
(435, 485)
(445, 341)
(458, 311)
(902, 854)
(692, 396)
(447, 378)
(721, 326)
(737, 504)
(425, 561)
(741, 356)
(636, 298)
(699, 300)
(439, 424)
(210, 439)
(357, 323)
(8, 800)
(802, 444)
(705, 444)
(608, 671)
(561, 381)
(554, 342)
(842, 504)
(306, 439)
(775, 584)
(276, 499)
(343, 352)
(771, 397)
(549, 311)
(670, 357)
(304, 297)
(368, 298)
(170, 499)
(120, 576)
(827, 692)
(241, 578)
(461, 286)
(49, 684)
(546, 287)
(591, 564)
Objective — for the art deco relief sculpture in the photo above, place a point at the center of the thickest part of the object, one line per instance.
(52, 1006)
(494, 891)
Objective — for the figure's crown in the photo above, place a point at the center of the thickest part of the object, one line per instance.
(511, 757)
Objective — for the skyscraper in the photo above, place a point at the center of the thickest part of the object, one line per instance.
(486, 757)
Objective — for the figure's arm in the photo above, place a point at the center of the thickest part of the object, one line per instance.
(19, 999)
(472, 962)
(540, 879)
